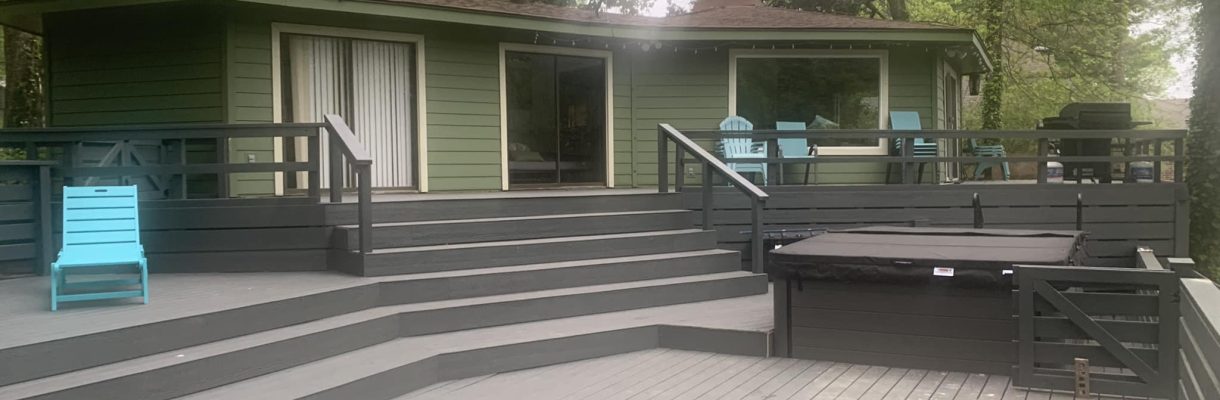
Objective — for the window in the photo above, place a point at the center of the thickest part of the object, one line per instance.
(825, 90)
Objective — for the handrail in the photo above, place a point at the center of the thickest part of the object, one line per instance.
(666, 133)
(343, 143)
(1141, 139)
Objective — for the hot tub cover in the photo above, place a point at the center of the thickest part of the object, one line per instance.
(978, 257)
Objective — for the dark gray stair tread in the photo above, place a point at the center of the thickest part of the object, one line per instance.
(552, 265)
(328, 373)
(519, 218)
(525, 242)
(148, 363)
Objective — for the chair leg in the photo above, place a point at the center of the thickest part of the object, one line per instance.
(919, 178)
(1006, 174)
(764, 174)
(144, 278)
(54, 287)
(807, 167)
(889, 169)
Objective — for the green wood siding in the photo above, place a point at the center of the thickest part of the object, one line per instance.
(248, 79)
(462, 83)
(138, 65)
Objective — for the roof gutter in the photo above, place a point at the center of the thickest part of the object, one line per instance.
(619, 31)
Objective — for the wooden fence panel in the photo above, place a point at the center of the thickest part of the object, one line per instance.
(1199, 356)
(1123, 322)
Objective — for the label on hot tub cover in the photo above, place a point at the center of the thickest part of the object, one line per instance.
(942, 271)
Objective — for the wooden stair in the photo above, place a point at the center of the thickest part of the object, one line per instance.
(454, 297)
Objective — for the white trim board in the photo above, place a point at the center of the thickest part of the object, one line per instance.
(563, 51)
(421, 102)
(884, 102)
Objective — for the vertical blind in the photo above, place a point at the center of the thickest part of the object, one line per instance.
(371, 85)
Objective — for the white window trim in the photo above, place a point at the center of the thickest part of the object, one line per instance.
(563, 51)
(882, 147)
(421, 102)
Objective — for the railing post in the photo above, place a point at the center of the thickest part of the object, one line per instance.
(908, 156)
(1179, 150)
(336, 167)
(756, 239)
(708, 197)
(315, 158)
(365, 206)
(679, 169)
(1044, 145)
(1156, 165)
(662, 160)
(1184, 267)
(46, 245)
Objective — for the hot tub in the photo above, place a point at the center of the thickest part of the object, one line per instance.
(929, 298)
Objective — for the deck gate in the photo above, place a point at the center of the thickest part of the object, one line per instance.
(1124, 321)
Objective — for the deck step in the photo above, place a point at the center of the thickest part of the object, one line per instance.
(436, 207)
(418, 259)
(188, 370)
(80, 352)
(399, 366)
(471, 230)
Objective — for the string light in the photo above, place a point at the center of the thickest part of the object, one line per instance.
(961, 51)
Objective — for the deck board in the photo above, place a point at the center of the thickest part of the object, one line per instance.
(665, 374)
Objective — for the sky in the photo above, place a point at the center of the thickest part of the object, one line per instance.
(1181, 88)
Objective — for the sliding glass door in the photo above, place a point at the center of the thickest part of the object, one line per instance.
(370, 83)
(556, 107)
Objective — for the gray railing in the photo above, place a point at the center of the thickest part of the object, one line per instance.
(1146, 141)
(164, 159)
(343, 144)
(159, 155)
(711, 166)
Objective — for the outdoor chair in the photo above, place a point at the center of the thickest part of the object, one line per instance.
(795, 147)
(743, 147)
(909, 121)
(985, 150)
(101, 233)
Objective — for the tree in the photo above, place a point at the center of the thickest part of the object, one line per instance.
(1203, 151)
(992, 12)
(24, 103)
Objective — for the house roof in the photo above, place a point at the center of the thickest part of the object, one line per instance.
(724, 17)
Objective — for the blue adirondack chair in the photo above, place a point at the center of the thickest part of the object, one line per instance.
(985, 150)
(743, 147)
(101, 232)
(909, 121)
(795, 147)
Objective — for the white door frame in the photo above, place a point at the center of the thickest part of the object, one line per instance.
(421, 102)
(563, 51)
(883, 116)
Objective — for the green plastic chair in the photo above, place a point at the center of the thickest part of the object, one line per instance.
(985, 150)
(743, 147)
(101, 231)
(795, 147)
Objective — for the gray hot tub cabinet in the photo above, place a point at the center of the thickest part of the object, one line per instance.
(871, 296)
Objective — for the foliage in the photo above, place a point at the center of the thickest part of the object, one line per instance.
(1203, 153)
(24, 103)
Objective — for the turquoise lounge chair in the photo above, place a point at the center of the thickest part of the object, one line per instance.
(743, 147)
(985, 150)
(101, 232)
(909, 121)
(795, 147)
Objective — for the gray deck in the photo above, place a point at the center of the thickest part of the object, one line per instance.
(675, 374)
(25, 302)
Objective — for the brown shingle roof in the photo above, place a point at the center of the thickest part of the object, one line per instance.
(741, 17)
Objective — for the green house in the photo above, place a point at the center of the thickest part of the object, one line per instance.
(492, 94)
